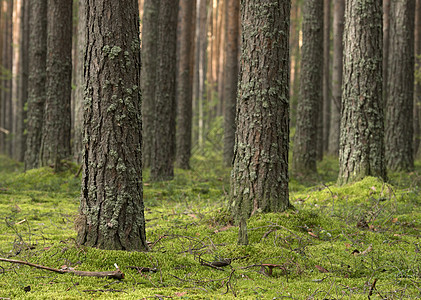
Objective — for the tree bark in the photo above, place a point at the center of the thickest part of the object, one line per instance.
(386, 25)
(417, 89)
(259, 178)
(400, 87)
(148, 78)
(184, 85)
(37, 77)
(309, 104)
(55, 144)
(326, 77)
(111, 209)
(362, 146)
(335, 111)
(231, 78)
(163, 151)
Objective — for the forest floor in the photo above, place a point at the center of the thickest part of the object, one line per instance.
(358, 241)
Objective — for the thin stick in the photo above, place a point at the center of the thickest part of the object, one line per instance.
(111, 274)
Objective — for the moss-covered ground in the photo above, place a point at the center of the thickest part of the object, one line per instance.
(359, 241)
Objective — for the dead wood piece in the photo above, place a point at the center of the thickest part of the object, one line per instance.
(143, 269)
(108, 274)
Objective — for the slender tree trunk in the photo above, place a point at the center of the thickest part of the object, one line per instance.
(6, 92)
(326, 76)
(80, 84)
(184, 85)
(148, 79)
(231, 78)
(36, 84)
(111, 209)
(400, 87)
(305, 152)
(55, 144)
(417, 90)
(259, 178)
(335, 109)
(163, 151)
(295, 57)
(386, 26)
(362, 131)
(22, 93)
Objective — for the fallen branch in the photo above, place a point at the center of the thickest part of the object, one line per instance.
(4, 130)
(111, 274)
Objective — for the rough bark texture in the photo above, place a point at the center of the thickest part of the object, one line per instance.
(417, 89)
(6, 91)
(231, 78)
(36, 85)
(259, 178)
(111, 210)
(309, 103)
(361, 145)
(19, 144)
(184, 84)
(163, 151)
(326, 77)
(80, 84)
(400, 87)
(55, 143)
(148, 78)
(335, 109)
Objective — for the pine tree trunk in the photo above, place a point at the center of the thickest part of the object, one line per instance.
(231, 78)
(386, 26)
(111, 210)
(163, 151)
(326, 76)
(417, 90)
(335, 109)
(184, 83)
(362, 146)
(37, 77)
(55, 144)
(148, 79)
(80, 84)
(259, 178)
(308, 122)
(400, 87)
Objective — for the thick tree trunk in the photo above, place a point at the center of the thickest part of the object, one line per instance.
(184, 85)
(36, 84)
(386, 26)
(335, 109)
(231, 78)
(55, 144)
(148, 79)
(309, 103)
(163, 151)
(362, 146)
(400, 87)
(111, 210)
(259, 178)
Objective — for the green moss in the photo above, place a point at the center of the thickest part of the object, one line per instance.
(187, 222)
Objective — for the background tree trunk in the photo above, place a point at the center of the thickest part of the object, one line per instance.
(400, 87)
(386, 25)
(111, 210)
(417, 89)
(148, 78)
(36, 84)
(184, 84)
(231, 78)
(259, 178)
(335, 111)
(326, 77)
(163, 151)
(362, 146)
(55, 144)
(309, 103)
